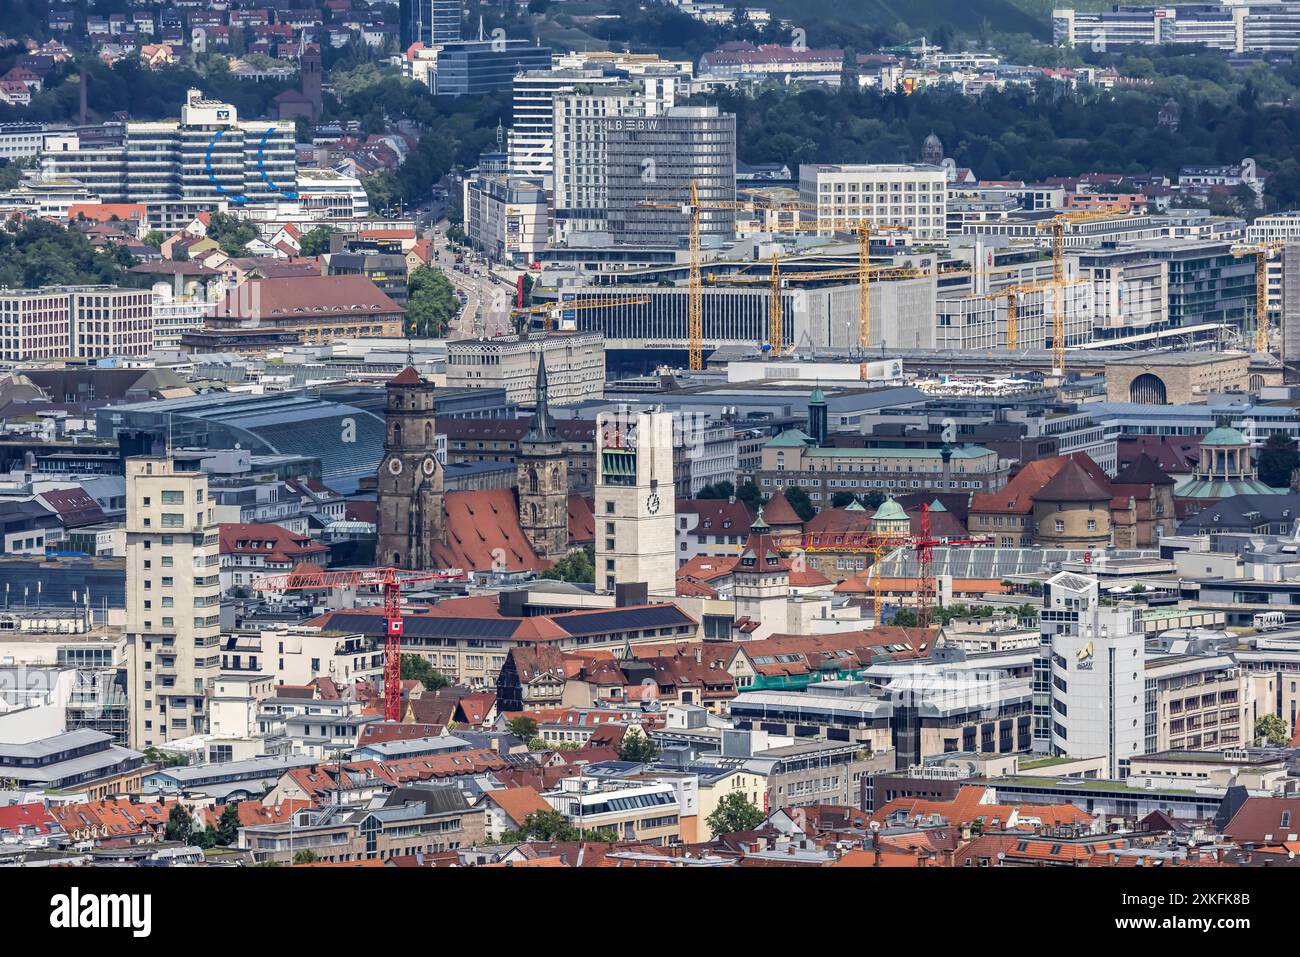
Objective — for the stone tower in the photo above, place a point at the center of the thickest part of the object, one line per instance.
(761, 584)
(932, 150)
(411, 520)
(635, 502)
(542, 478)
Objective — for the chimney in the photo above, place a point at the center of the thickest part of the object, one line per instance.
(699, 654)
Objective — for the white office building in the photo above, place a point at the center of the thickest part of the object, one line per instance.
(1091, 675)
(912, 196)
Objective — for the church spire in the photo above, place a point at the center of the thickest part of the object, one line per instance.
(543, 428)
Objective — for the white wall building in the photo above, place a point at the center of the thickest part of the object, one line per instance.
(914, 196)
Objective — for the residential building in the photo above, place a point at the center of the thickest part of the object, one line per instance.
(173, 621)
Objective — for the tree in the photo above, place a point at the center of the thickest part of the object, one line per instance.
(179, 824)
(1277, 460)
(1270, 729)
(154, 238)
(418, 669)
(552, 826)
(735, 812)
(578, 567)
(231, 234)
(800, 502)
(305, 857)
(750, 495)
(316, 241)
(717, 490)
(523, 727)
(228, 825)
(843, 499)
(638, 748)
(904, 618)
(431, 303)
(206, 838)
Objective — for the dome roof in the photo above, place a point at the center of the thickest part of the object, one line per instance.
(890, 511)
(1224, 436)
(932, 140)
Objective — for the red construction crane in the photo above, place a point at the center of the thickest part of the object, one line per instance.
(389, 581)
(879, 546)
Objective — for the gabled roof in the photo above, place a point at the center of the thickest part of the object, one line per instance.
(518, 803)
(1072, 483)
(1144, 470)
(778, 511)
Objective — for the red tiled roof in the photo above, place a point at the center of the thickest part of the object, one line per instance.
(483, 529)
(274, 542)
(778, 511)
(304, 298)
(518, 803)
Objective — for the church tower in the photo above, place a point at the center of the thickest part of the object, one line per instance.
(635, 504)
(411, 520)
(542, 478)
(761, 584)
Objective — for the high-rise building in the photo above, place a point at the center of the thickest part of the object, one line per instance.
(635, 504)
(532, 123)
(430, 21)
(208, 154)
(1291, 312)
(580, 157)
(468, 67)
(652, 162)
(1089, 696)
(173, 595)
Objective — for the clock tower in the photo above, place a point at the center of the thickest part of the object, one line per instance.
(635, 502)
(410, 480)
(542, 478)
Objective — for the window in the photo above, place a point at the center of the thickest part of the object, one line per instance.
(173, 497)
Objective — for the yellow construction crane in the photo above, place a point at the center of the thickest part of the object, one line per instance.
(548, 311)
(1057, 226)
(1261, 252)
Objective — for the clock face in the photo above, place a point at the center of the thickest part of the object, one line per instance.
(428, 466)
(395, 466)
(652, 503)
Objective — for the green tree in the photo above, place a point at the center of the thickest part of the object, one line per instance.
(749, 494)
(800, 502)
(1277, 460)
(228, 825)
(231, 234)
(717, 490)
(637, 748)
(904, 618)
(431, 304)
(843, 499)
(205, 838)
(552, 826)
(180, 825)
(735, 812)
(417, 668)
(316, 241)
(305, 857)
(523, 727)
(578, 566)
(1270, 730)
(154, 238)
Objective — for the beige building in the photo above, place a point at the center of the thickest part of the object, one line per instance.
(634, 810)
(173, 595)
(913, 196)
(575, 366)
(713, 784)
(635, 503)
(1176, 378)
(1196, 703)
(88, 322)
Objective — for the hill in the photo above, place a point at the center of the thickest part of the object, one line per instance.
(1001, 16)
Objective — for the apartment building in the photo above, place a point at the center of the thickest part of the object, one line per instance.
(173, 594)
(912, 196)
(1196, 703)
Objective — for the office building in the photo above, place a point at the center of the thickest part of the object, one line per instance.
(911, 196)
(469, 67)
(208, 154)
(532, 126)
(1291, 312)
(652, 162)
(430, 21)
(1250, 27)
(575, 367)
(84, 322)
(1090, 676)
(507, 217)
(173, 595)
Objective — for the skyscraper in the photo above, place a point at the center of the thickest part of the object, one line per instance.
(652, 162)
(430, 21)
(173, 600)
